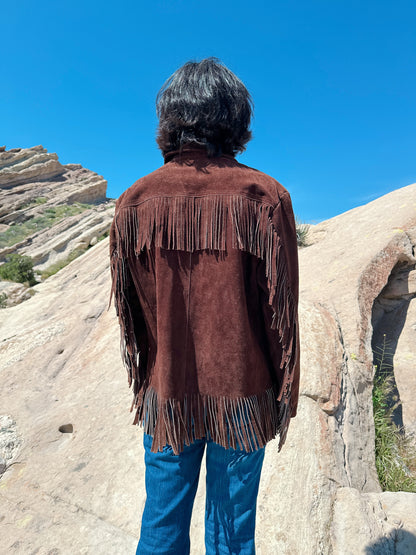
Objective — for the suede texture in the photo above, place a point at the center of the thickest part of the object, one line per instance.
(205, 277)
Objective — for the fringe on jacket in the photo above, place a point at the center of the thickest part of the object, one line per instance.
(193, 223)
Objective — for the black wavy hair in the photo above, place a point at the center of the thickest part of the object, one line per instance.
(204, 103)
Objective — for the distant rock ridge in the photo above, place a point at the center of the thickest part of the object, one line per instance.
(30, 173)
(33, 183)
(20, 165)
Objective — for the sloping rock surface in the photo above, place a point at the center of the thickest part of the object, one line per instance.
(75, 481)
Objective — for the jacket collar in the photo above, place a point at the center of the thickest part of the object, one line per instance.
(191, 152)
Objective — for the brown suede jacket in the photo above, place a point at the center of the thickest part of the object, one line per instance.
(204, 269)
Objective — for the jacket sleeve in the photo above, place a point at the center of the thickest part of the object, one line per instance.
(133, 331)
(278, 278)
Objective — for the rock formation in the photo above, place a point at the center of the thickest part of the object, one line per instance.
(74, 470)
(26, 173)
(34, 184)
(27, 165)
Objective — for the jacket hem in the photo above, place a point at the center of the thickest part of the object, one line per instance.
(239, 423)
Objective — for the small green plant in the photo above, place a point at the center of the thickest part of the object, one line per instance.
(49, 217)
(103, 235)
(54, 268)
(3, 300)
(34, 202)
(18, 268)
(395, 451)
(302, 231)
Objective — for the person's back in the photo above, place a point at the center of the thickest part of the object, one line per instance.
(205, 278)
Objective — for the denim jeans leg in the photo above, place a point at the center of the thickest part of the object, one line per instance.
(232, 485)
(171, 484)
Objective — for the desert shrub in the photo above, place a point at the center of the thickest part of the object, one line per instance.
(302, 230)
(3, 300)
(18, 268)
(395, 452)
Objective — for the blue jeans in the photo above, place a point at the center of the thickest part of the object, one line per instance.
(232, 483)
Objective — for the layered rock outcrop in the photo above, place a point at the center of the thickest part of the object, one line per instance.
(27, 173)
(27, 165)
(34, 189)
(75, 484)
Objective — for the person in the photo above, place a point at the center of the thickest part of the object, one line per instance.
(204, 268)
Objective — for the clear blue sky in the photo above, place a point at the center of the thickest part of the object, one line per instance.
(333, 83)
